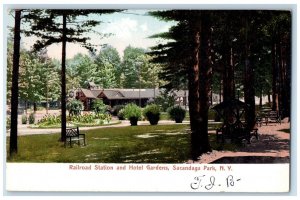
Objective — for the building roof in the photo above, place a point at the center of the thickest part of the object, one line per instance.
(113, 94)
(143, 93)
(126, 93)
(88, 93)
(181, 93)
(96, 92)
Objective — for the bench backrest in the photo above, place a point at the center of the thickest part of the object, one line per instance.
(72, 132)
(273, 113)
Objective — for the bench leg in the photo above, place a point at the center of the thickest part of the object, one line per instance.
(219, 134)
(248, 138)
(255, 134)
(222, 138)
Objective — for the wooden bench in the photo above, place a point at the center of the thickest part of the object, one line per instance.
(272, 116)
(259, 120)
(73, 135)
(238, 133)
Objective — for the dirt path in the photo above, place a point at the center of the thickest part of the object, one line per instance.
(24, 129)
(273, 142)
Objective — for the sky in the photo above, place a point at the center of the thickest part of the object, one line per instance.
(130, 27)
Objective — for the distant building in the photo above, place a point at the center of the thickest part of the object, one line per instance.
(114, 97)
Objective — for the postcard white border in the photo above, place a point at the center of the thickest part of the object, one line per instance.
(272, 4)
(93, 177)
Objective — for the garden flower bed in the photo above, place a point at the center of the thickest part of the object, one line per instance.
(86, 120)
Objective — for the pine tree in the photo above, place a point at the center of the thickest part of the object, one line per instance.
(60, 26)
(191, 53)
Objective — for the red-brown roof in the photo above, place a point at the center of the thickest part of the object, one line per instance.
(88, 93)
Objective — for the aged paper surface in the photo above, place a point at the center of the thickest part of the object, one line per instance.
(261, 165)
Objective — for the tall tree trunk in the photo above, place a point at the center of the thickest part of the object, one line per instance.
(34, 107)
(63, 80)
(288, 76)
(228, 70)
(13, 140)
(284, 108)
(205, 81)
(26, 107)
(280, 73)
(228, 79)
(249, 79)
(194, 91)
(231, 86)
(249, 95)
(260, 97)
(199, 87)
(274, 77)
(47, 102)
(220, 93)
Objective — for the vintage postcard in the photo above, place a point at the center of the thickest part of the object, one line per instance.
(148, 100)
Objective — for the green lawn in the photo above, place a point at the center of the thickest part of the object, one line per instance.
(165, 115)
(139, 144)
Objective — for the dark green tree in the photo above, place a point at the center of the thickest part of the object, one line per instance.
(191, 53)
(62, 26)
(236, 47)
(131, 66)
(9, 70)
(50, 88)
(30, 78)
(84, 69)
(279, 31)
(108, 65)
(173, 56)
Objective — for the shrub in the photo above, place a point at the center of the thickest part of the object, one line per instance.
(176, 113)
(152, 113)
(133, 113)
(99, 107)
(89, 118)
(165, 100)
(24, 119)
(50, 120)
(104, 117)
(116, 109)
(31, 118)
(74, 107)
(132, 110)
(86, 118)
(92, 119)
(121, 114)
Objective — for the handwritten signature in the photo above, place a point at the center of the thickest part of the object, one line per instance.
(209, 182)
